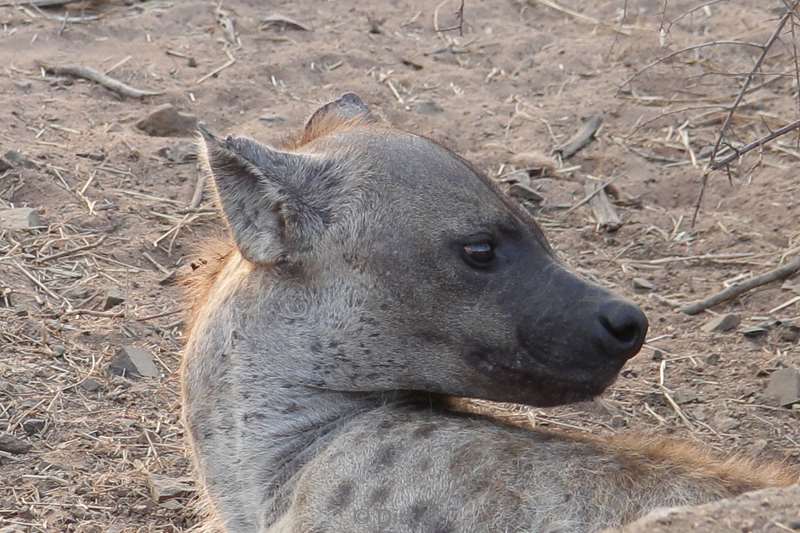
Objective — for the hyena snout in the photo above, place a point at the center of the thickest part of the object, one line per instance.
(620, 328)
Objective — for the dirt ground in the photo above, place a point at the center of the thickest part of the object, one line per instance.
(521, 79)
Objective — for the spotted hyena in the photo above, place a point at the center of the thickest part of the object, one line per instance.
(371, 275)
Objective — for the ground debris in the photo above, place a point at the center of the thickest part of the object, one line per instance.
(15, 159)
(167, 121)
(536, 164)
(283, 22)
(19, 218)
(164, 488)
(180, 152)
(604, 213)
(114, 297)
(523, 192)
(581, 139)
(784, 387)
(722, 323)
(88, 73)
(428, 107)
(642, 284)
(133, 362)
(14, 445)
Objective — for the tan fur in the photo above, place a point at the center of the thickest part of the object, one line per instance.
(655, 456)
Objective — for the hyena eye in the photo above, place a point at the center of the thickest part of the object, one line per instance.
(479, 254)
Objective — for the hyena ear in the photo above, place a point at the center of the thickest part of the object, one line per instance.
(347, 107)
(256, 189)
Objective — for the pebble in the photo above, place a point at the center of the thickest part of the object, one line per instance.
(13, 445)
(428, 107)
(133, 362)
(722, 323)
(114, 297)
(642, 284)
(164, 488)
(783, 387)
(19, 218)
(33, 426)
(168, 121)
(90, 385)
(18, 159)
(789, 333)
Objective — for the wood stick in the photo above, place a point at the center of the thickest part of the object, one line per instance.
(604, 213)
(733, 291)
(199, 187)
(581, 139)
(37, 3)
(65, 253)
(88, 73)
(589, 196)
(36, 281)
(231, 60)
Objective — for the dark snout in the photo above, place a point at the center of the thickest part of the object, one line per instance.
(580, 329)
(620, 328)
(579, 332)
(573, 338)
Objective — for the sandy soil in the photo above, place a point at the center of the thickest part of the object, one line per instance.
(521, 79)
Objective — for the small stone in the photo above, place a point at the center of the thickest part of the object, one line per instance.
(58, 350)
(685, 396)
(722, 323)
(789, 333)
(168, 121)
(114, 297)
(522, 192)
(19, 218)
(428, 107)
(90, 385)
(164, 488)
(658, 355)
(784, 387)
(33, 426)
(13, 445)
(642, 284)
(713, 359)
(17, 159)
(133, 362)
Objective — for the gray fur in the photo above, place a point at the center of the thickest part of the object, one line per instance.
(313, 372)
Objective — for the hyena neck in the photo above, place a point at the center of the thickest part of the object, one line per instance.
(301, 421)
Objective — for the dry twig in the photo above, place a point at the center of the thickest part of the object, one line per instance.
(98, 77)
(738, 289)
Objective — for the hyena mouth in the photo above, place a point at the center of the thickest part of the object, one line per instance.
(519, 375)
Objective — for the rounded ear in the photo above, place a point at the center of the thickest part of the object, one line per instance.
(347, 107)
(256, 190)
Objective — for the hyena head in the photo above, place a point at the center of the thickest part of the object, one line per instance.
(407, 270)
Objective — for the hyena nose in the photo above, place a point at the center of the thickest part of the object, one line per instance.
(623, 327)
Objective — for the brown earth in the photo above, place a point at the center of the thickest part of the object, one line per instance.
(522, 78)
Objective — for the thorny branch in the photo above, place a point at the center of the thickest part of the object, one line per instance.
(715, 164)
